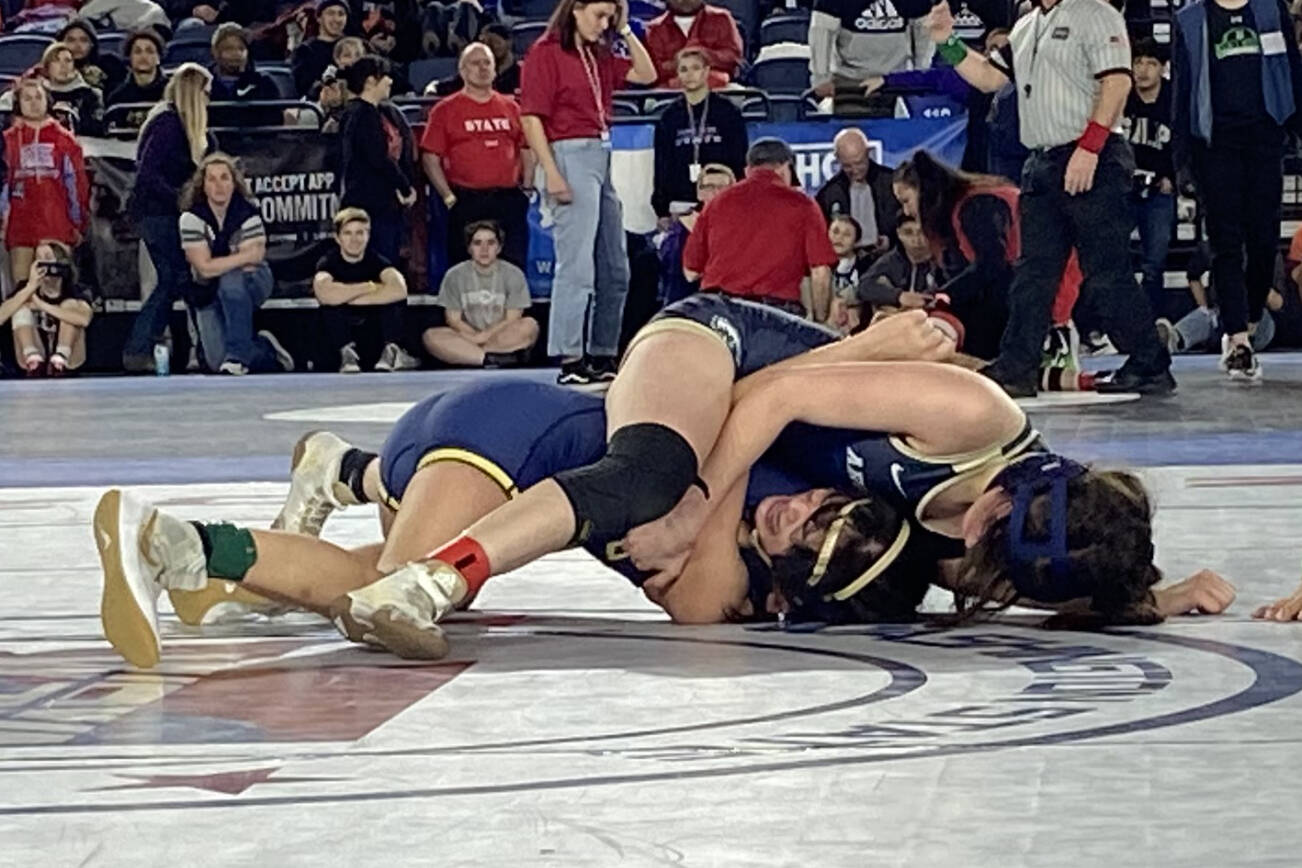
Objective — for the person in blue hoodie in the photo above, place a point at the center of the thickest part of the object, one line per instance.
(1237, 83)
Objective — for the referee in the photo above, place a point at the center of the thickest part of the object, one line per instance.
(1071, 62)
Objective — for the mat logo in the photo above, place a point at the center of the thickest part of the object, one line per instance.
(816, 162)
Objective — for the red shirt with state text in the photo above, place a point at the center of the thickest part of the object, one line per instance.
(759, 238)
(555, 88)
(478, 143)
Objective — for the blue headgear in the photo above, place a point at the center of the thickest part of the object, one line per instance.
(1023, 480)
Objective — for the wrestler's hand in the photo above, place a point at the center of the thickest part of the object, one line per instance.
(657, 545)
(1287, 609)
(907, 336)
(656, 589)
(1203, 593)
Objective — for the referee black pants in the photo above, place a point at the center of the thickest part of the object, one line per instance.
(508, 206)
(1098, 223)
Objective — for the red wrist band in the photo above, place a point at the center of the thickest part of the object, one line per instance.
(1094, 137)
(468, 558)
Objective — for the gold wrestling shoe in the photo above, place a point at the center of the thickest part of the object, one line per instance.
(219, 601)
(142, 551)
(401, 611)
(314, 487)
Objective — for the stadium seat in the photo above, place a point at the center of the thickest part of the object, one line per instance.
(781, 75)
(525, 34)
(112, 42)
(21, 51)
(186, 51)
(422, 72)
(283, 79)
(784, 28)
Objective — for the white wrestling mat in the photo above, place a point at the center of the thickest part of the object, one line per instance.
(1074, 400)
(577, 728)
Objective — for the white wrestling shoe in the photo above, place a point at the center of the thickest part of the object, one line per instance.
(314, 488)
(401, 611)
(142, 552)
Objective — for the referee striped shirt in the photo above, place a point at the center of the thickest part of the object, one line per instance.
(1057, 57)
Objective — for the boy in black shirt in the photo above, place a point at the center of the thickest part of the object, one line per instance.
(1147, 122)
(356, 287)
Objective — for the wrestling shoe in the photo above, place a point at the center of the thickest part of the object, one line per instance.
(1062, 348)
(349, 361)
(401, 611)
(314, 487)
(142, 552)
(219, 601)
(395, 358)
(1240, 362)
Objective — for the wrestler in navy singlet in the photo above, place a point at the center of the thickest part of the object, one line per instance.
(757, 335)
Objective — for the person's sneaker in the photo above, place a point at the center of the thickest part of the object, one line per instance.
(1240, 362)
(602, 368)
(220, 601)
(1016, 385)
(1123, 379)
(58, 365)
(34, 366)
(1099, 344)
(395, 358)
(142, 551)
(401, 611)
(1167, 335)
(136, 363)
(1062, 348)
(575, 373)
(349, 361)
(314, 487)
(232, 368)
(283, 358)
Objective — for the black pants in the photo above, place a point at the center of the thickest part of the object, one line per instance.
(1098, 224)
(509, 207)
(1241, 189)
(343, 324)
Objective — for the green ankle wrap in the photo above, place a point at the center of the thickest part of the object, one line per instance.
(233, 552)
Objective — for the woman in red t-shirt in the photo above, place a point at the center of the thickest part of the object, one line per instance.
(567, 85)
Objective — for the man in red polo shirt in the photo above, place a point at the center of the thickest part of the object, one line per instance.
(476, 158)
(692, 22)
(758, 239)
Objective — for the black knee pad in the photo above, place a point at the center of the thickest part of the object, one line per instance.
(646, 470)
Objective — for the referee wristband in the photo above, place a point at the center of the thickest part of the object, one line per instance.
(1094, 137)
(953, 50)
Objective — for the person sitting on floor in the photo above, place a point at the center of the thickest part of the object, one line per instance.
(485, 299)
(50, 312)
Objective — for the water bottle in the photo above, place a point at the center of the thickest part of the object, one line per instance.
(162, 360)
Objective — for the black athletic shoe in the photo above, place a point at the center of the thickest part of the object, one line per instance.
(1125, 380)
(575, 374)
(1017, 386)
(602, 368)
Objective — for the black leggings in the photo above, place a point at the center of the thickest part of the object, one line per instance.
(1241, 187)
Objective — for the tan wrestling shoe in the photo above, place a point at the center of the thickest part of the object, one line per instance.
(401, 611)
(314, 487)
(142, 551)
(219, 601)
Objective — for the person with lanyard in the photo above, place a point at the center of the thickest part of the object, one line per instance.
(700, 129)
(566, 92)
(1070, 60)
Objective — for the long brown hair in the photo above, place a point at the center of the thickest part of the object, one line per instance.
(193, 192)
(561, 23)
(939, 187)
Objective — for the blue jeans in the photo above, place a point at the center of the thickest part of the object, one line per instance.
(226, 326)
(162, 239)
(387, 231)
(1200, 326)
(1155, 216)
(591, 257)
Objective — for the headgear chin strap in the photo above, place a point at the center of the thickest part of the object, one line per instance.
(1024, 480)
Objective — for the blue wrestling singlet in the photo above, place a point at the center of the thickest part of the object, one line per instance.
(517, 432)
(755, 334)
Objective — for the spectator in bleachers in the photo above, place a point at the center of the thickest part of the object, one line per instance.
(45, 193)
(145, 82)
(245, 12)
(567, 88)
(485, 299)
(382, 41)
(1147, 123)
(1236, 91)
(172, 144)
(701, 128)
(358, 289)
(698, 24)
(1200, 329)
(759, 239)
(851, 265)
(311, 58)
(348, 51)
(474, 154)
(85, 104)
(127, 14)
(376, 154)
(861, 189)
(330, 96)
(103, 71)
(49, 313)
(851, 42)
(448, 27)
(507, 76)
(225, 243)
(235, 77)
(904, 276)
(714, 179)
